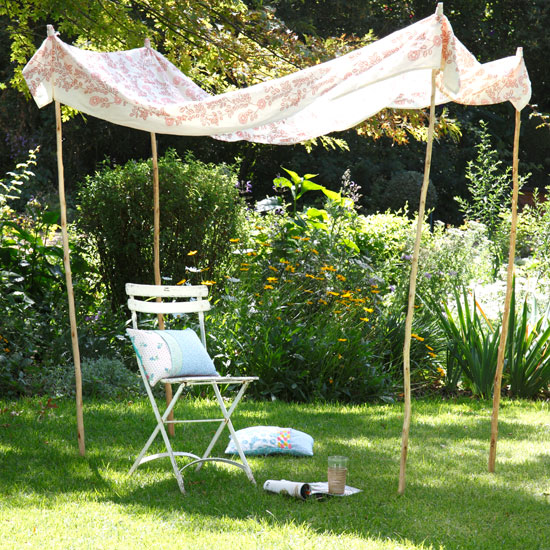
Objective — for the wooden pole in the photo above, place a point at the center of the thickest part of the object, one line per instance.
(412, 292)
(156, 253)
(69, 281)
(509, 289)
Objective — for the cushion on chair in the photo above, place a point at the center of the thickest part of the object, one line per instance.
(267, 440)
(166, 353)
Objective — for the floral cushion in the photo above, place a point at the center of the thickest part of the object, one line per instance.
(267, 440)
(167, 353)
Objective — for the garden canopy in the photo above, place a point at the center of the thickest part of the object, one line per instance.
(416, 67)
(141, 89)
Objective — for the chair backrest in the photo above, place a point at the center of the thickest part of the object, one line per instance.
(183, 299)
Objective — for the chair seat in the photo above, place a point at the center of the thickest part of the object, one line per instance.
(195, 380)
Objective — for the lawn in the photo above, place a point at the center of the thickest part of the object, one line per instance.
(53, 498)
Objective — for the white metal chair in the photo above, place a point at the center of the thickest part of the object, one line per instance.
(182, 300)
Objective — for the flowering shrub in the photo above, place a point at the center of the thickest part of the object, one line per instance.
(303, 310)
(301, 319)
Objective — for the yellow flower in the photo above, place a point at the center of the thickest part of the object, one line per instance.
(245, 268)
(295, 237)
(272, 268)
(258, 227)
(374, 286)
(252, 253)
(233, 240)
(330, 380)
(441, 371)
(332, 293)
(244, 264)
(328, 268)
(346, 295)
(342, 339)
(321, 301)
(208, 283)
(432, 354)
(337, 311)
(431, 349)
(308, 291)
(192, 252)
(284, 261)
(309, 303)
(340, 356)
(319, 278)
(278, 318)
(310, 276)
(374, 291)
(340, 277)
(272, 279)
(369, 309)
(416, 337)
(268, 287)
(314, 251)
(265, 244)
(365, 319)
(182, 281)
(7, 350)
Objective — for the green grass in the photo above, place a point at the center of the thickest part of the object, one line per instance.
(50, 497)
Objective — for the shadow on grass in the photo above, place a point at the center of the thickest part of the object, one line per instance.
(450, 498)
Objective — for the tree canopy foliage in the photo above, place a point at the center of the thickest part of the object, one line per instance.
(220, 44)
(227, 44)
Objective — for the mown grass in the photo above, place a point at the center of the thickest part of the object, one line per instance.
(53, 498)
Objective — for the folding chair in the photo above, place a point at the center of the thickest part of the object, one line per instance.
(150, 345)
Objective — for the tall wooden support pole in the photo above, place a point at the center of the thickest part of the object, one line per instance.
(509, 289)
(156, 253)
(412, 293)
(69, 281)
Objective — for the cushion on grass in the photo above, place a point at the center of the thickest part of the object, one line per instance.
(166, 353)
(268, 440)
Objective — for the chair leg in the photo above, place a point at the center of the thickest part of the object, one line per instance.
(160, 427)
(227, 422)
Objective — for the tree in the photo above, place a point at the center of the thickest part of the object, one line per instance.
(220, 44)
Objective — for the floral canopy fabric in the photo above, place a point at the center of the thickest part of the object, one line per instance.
(141, 89)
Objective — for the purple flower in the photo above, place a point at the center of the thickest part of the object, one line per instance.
(407, 257)
(428, 275)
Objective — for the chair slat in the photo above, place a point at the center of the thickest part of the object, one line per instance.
(168, 307)
(171, 291)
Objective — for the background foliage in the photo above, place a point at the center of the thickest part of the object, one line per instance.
(326, 241)
(201, 211)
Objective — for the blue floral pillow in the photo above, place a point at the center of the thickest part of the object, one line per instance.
(268, 440)
(167, 353)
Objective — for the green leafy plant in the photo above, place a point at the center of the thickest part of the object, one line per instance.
(489, 193)
(201, 210)
(102, 377)
(527, 350)
(472, 345)
(303, 310)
